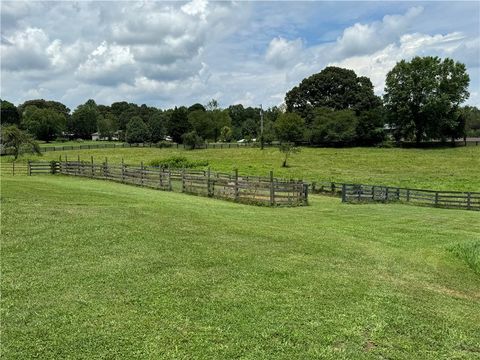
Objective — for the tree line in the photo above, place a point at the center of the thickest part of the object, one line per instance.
(335, 107)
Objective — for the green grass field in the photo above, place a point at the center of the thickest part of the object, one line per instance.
(95, 269)
(437, 169)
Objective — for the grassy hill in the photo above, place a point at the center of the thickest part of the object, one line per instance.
(438, 169)
(95, 269)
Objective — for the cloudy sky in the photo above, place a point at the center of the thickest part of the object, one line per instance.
(165, 54)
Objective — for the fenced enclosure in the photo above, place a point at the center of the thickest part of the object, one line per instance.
(447, 199)
(230, 186)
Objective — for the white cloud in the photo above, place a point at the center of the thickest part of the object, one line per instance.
(365, 38)
(108, 64)
(281, 52)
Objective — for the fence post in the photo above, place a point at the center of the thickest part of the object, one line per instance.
(272, 190)
(209, 190)
(305, 192)
(91, 162)
(373, 192)
(13, 168)
(105, 166)
(169, 180)
(29, 168)
(160, 173)
(123, 171)
(386, 193)
(344, 193)
(408, 195)
(141, 173)
(332, 185)
(469, 200)
(235, 189)
(436, 198)
(183, 180)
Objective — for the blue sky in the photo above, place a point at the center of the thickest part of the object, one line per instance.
(166, 54)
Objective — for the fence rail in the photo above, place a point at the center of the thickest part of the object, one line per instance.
(244, 189)
(447, 199)
(13, 168)
(141, 145)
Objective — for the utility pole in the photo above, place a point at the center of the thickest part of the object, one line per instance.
(261, 127)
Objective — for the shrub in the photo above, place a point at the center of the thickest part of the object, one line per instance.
(178, 162)
(164, 144)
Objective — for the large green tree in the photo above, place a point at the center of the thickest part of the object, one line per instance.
(331, 127)
(422, 97)
(137, 131)
(471, 115)
(9, 113)
(335, 88)
(45, 104)
(45, 124)
(84, 120)
(178, 124)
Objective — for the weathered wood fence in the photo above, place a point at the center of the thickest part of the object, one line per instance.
(374, 193)
(244, 189)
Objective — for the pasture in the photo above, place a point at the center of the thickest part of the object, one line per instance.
(437, 169)
(95, 269)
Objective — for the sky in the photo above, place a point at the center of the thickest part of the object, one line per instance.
(167, 54)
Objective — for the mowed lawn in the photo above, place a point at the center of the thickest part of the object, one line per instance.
(437, 169)
(95, 269)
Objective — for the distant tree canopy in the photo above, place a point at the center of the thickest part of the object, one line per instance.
(43, 123)
(334, 127)
(137, 131)
(335, 88)
(45, 104)
(84, 120)
(422, 98)
(9, 113)
(471, 115)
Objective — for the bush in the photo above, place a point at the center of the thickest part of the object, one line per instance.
(178, 162)
(164, 144)
(192, 140)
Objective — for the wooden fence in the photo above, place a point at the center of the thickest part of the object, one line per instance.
(244, 189)
(142, 145)
(447, 199)
(13, 168)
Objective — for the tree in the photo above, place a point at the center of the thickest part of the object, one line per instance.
(157, 124)
(45, 124)
(208, 124)
(422, 97)
(45, 104)
(287, 149)
(335, 88)
(9, 113)
(106, 126)
(84, 120)
(137, 131)
(192, 140)
(17, 141)
(178, 124)
(196, 107)
(333, 127)
(226, 134)
(371, 127)
(471, 114)
(290, 128)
